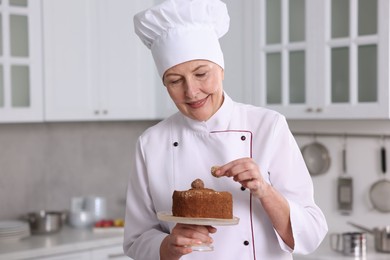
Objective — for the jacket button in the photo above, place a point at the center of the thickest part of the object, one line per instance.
(243, 188)
(243, 138)
(246, 243)
(175, 144)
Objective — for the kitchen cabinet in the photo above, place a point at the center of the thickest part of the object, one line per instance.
(323, 59)
(21, 91)
(95, 66)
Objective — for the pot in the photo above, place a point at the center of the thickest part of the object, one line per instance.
(381, 237)
(46, 222)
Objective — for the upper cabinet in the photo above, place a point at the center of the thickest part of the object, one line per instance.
(21, 96)
(323, 59)
(95, 66)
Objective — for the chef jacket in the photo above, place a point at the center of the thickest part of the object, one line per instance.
(178, 150)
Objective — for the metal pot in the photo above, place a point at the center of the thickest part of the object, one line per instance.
(381, 237)
(46, 222)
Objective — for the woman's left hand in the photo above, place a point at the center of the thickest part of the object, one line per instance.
(247, 173)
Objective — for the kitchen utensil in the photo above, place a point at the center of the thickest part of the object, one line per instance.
(345, 188)
(81, 219)
(381, 236)
(380, 190)
(316, 157)
(45, 222)
(93, 204)
(349, 244)
(97, 206)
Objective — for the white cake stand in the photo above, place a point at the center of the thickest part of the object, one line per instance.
(168, 217)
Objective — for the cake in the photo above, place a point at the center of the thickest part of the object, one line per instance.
(200, 202)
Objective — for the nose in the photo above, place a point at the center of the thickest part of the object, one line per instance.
(191, 89)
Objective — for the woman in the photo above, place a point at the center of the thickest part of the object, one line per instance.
(259, 158)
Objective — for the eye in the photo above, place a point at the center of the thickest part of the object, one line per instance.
(200, 75)
(175, 82)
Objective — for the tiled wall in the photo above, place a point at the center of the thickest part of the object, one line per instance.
(42, 166)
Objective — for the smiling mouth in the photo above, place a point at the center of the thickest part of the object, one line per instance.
(197, 104)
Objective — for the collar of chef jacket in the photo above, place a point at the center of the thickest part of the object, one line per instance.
(218, 122)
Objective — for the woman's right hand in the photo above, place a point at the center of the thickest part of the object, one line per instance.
(176, 244)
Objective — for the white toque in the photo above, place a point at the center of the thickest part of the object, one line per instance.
(177, 31)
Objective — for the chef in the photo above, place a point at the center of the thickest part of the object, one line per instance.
(258, 158)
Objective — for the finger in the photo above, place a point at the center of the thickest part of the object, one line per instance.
(195, 232)
(236, 167)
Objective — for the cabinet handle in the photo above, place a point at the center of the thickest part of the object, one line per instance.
(96, 112)
(105, 112)
(319, 110)
(309, 110)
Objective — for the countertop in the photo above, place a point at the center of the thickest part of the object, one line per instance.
(65, 241)
(324, 252)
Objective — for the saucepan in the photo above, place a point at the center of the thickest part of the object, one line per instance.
(46, 222)
(381, 236)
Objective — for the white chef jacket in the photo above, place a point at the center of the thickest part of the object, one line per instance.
(178, 150)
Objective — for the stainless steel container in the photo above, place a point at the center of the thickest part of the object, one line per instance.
(349, 244)
(381, 236)
(382, 239)
(46, 222)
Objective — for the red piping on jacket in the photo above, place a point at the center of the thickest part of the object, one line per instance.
(250, 194)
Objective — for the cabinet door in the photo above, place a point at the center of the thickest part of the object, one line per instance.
(95, 68)
(20, 61)
(285, 54)
(70, 60)
(357, 58)
(325, 59)
(126, 65)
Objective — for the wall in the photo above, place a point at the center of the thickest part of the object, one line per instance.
(363, 164)
(44, 165)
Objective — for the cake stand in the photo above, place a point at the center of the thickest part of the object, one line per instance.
(168, 217)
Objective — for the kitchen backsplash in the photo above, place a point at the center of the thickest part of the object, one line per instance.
(44, 165)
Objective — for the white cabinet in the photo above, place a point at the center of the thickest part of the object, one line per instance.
(95, 66)
(323, 59)
(21, 92)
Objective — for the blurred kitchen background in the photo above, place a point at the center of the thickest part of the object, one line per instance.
(77, 88)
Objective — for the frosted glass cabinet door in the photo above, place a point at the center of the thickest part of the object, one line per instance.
(284, 53)
(324, 59)
(20, 61)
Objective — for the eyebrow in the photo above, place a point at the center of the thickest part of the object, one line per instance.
(175, 74)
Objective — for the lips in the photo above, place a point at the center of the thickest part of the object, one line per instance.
(198, 103)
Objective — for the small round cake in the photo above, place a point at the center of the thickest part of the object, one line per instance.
(200, 202)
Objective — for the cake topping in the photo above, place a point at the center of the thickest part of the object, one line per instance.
(197, 184)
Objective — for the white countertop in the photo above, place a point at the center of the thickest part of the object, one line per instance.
(324, 252)
(66, 241)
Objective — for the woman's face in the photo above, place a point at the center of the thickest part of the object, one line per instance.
(196, 88)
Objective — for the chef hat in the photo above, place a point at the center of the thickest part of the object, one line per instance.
(177, 31)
